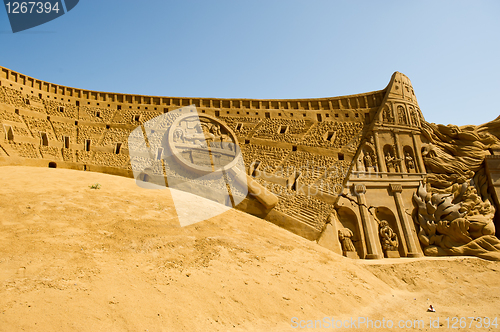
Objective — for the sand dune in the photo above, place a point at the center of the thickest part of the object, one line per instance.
(115, 259)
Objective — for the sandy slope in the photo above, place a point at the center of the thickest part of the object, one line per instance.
(115, 259)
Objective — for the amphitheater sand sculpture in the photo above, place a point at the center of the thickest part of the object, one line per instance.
(363, 175)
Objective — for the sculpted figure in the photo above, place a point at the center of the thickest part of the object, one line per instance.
(414, 116)
(345, 235)
(402, 119)
(215, 130)
(178, 135)
(368, 160)
(389, 160)
(360, 165)
(388, 238)
(410, 164)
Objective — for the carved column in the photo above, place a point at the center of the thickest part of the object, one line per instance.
(417, 146)
(410, 235)
(399, 152)
(380, 154)
(373, 250)
(380, 117)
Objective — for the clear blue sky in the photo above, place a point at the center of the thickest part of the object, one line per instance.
(272, 49)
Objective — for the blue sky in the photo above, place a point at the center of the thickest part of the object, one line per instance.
(272, 49)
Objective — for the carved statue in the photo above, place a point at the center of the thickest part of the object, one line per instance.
(389, 160)
(368, 160)
(388, 238)
(384, 115)
(360, 165)
(216, 130)
(402, 119)
(345, 235)
(409, 161)
(414, 117)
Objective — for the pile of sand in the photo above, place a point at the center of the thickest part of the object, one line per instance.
(115, 259)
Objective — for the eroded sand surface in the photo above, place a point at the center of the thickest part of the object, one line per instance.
(115, 259)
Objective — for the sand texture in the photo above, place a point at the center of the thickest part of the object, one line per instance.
(116, 259)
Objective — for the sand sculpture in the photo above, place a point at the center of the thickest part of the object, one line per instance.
(364, 175)
(345, 237)
(389, 240)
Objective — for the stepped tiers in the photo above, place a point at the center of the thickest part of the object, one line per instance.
(363, 175)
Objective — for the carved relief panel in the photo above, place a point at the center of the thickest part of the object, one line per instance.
(387, 114)
(402, 116)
